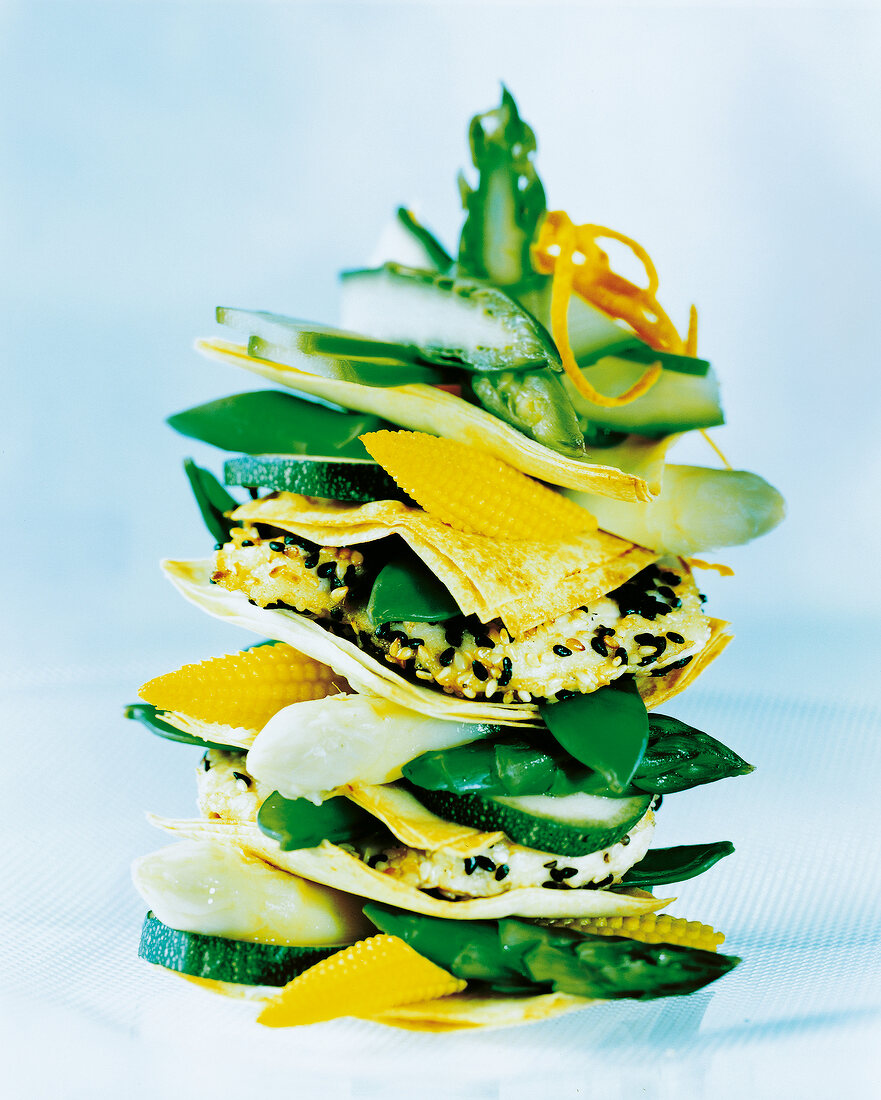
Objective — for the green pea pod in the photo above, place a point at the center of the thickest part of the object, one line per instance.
(148, 716)
(607, 730)
(534, 402)
(213, 500)
(406, 590)
(663, 865)
(271, 422)
(299, 823)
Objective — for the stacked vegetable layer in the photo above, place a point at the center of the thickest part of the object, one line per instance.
(428, 798)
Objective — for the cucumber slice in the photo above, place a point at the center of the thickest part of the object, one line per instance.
(569, 825)
(459, 321)
(330, 353)
(332, 478)
(677, 402)
(593, 333)
(224, 960)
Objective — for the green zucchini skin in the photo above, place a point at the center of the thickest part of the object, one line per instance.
(330, 478)
(225, 960)
(543, 834)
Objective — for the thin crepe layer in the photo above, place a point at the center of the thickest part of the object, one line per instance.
(628, 471)
(487, 577)
(334, 866)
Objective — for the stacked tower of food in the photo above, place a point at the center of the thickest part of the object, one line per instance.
(428, 794)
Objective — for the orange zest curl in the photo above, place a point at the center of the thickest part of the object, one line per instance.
(559, 242)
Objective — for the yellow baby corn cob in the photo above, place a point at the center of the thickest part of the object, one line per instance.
(649, 928)
(371, 975)
(243, 689)
(473, 491)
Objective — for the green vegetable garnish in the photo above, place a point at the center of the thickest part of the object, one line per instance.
(607, 730)
(406, 590)
(513, 956)
(506, 206)
(213, 500)
(662, 865)
(435, 252)
(271, 422)
(299, 823)
(148, 716)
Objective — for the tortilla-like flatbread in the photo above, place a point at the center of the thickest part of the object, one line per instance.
(629, 471)
(523, 583)
(363, 672)
(334, 866)
(657, 690)
(480, 1010)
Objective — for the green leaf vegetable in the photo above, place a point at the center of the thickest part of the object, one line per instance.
(271, 422)
(148, 716)
(660, 866)
(406, 590)
(213, 500)
(299, 823)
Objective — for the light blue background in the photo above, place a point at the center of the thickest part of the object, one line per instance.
(160, 159)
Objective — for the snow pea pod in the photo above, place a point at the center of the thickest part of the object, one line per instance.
(299, 823)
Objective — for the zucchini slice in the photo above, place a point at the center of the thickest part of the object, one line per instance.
(225, 960)
(359, 479)
(463, 322)
(568, 825)
(677, 402)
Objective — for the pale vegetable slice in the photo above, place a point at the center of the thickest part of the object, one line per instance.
(629, 471)
(698, 509)
(214, 888)
(334, 866)
(310, 749)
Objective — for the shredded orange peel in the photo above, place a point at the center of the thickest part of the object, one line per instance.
(559, 242)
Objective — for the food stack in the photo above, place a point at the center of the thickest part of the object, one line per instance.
(429, 789)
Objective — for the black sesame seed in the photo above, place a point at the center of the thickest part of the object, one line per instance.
(644, 639)
(625, 840)
(553, 863)
(218, 546)
(504, 679)
(502, 871)
(507, 666)
(562, 651)
(454, 634)
(483, 641)
(291, 540)
(674, 637)
(325, 569)
(247, 542)
(681, 663)
(622, 653)
(206, 763)
(485, 863)
(605, 882)
(604, 632)
(470, 865)
(555, 886)
(276, 546)
(702, 597)
(384, 630)
(560, 874)
(565, 694)
(669, 578)
(415, 643)
(246, 779)
(446, 658)
(380, 857)
(310, 561)
(400, 635)
(211, 580)
(599, 646)
(667, 592)
(479, 670)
